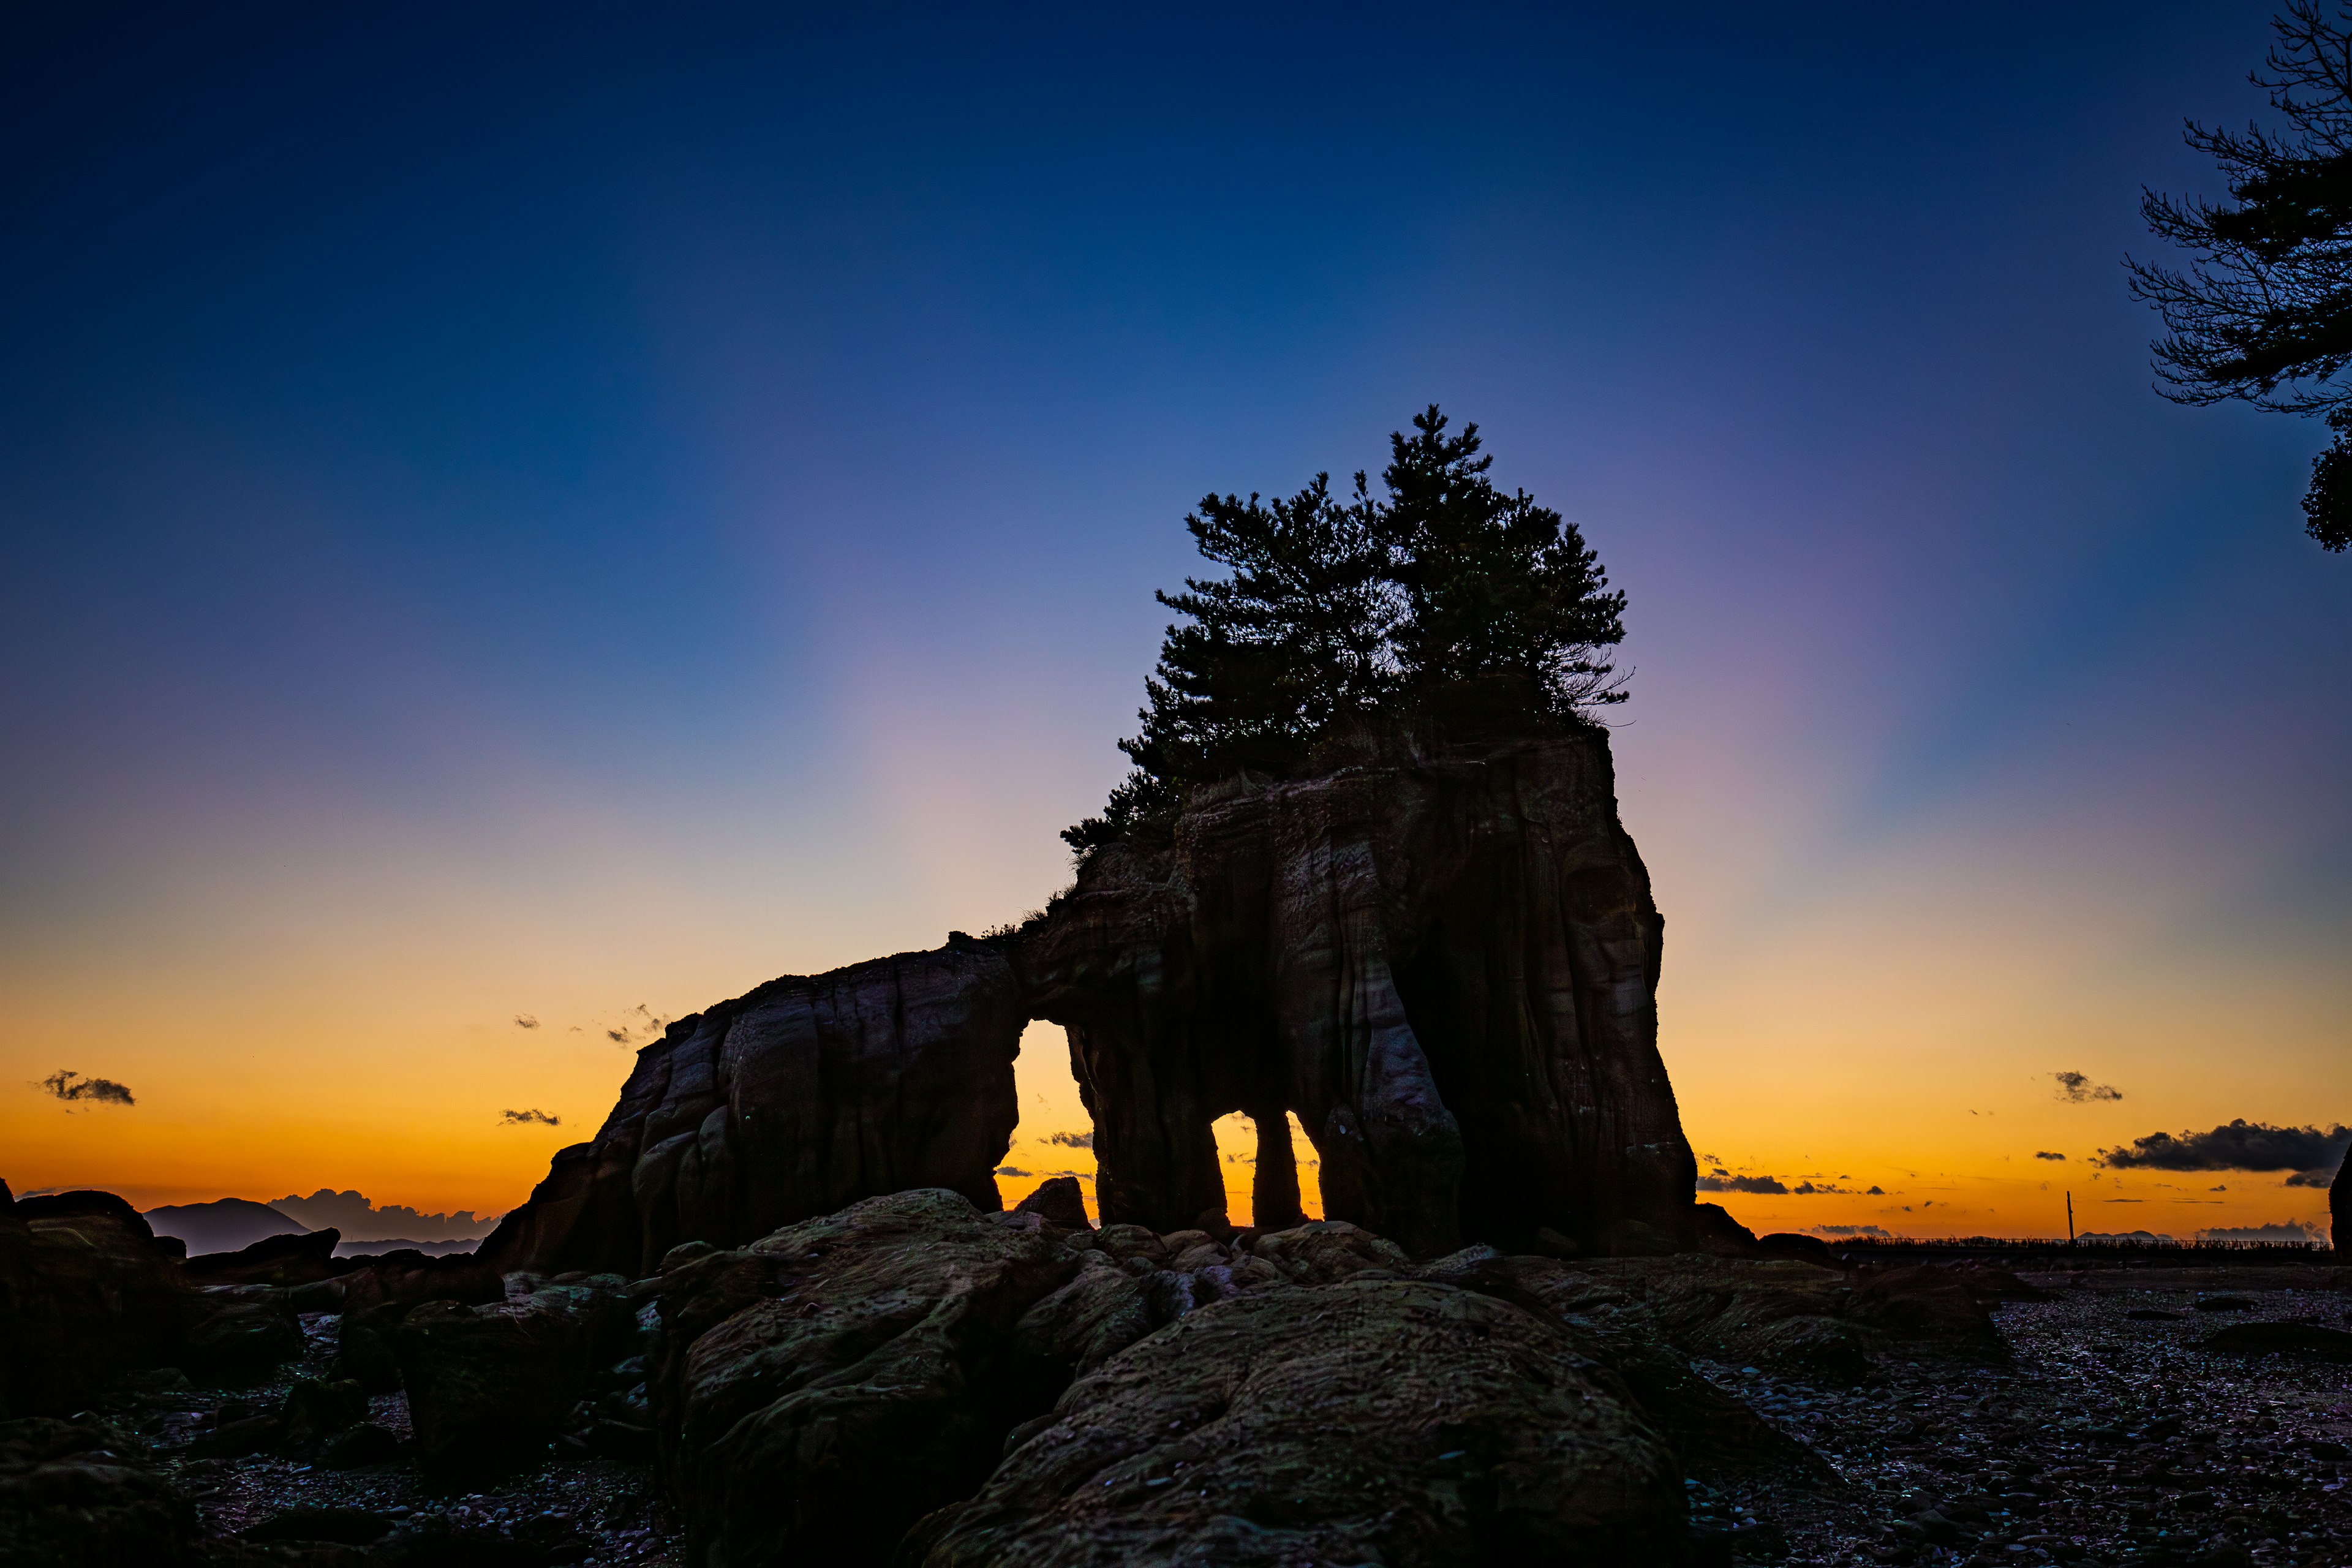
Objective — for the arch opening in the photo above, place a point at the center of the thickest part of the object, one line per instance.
(1241, 1151)
(1054, 1134)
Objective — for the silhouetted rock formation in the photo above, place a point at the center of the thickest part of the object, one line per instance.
(805, 1095)
(1443, 960)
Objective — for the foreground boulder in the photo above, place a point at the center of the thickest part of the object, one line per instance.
(819, 1391)
(78, 1494)
(86, 1291)
(1389, 1421)
(490, 1386)
(238, 1329)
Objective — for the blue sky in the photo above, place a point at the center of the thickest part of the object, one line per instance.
(576, 507)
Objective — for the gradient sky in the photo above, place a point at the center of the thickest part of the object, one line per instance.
(571, 511)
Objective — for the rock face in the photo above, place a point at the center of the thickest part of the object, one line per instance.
(1371, 1421)
(821, 1389)
(1443, 961)
(85, 1291)
(2339, 1204)
(489, 1386)
(803, 1096)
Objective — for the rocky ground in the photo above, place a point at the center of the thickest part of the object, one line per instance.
(911, 1381)
(572, 1510)
(2109, 1439)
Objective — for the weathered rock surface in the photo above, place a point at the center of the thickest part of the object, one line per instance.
(85, 1292)
(1385, 1421)
(821, 1389)
(804, 1096)
(1445, 961)
(489, 1386)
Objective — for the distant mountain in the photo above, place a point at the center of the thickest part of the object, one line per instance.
(225, 1225)
(430, 1249)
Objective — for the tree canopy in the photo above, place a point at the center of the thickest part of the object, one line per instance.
(2264, 315)
(1335, 611)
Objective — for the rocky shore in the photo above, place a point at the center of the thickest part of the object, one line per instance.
(910, 1379)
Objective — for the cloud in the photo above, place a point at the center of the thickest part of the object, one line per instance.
(1807, 1189)
(635, 1022)
(71, 1086)
(525, 1118)
(2146, 1237)
(2047, 1154)
(2239, 1145)
(1875, 1193)
(2294, 1232)
(1011, 1171)
(2324, 1177)
(2075, 1088)
(1073, 1139)
(1849, 1230)
(359, 1220)
(1763, 1185)
(525, 1021)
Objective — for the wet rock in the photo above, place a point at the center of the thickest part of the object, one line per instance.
(818, 1392)
(1058, 1201)
(239, 1328)
(78, 1494)
(489, 1386)
(1374, 1420)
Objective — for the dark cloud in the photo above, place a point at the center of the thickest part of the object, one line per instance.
(71, 1086)
(1875, 1193)
(1073, 1139)
(619, 1036)
(2294, 1232)
(525, 1021)
(1850, 1229)
(1808, 1189)
(2239, 1145)
(527, 1118)
(1761, 1185)
(1011, 1171)
(2075, 1088)
(361, 1220)
(2047, 1154)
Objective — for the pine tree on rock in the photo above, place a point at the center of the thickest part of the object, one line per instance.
(1445, 597)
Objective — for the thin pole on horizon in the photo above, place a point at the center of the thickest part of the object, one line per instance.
(2070, 1219)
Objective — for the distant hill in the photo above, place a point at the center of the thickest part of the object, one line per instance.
(225, 1225)
(430, 1249)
